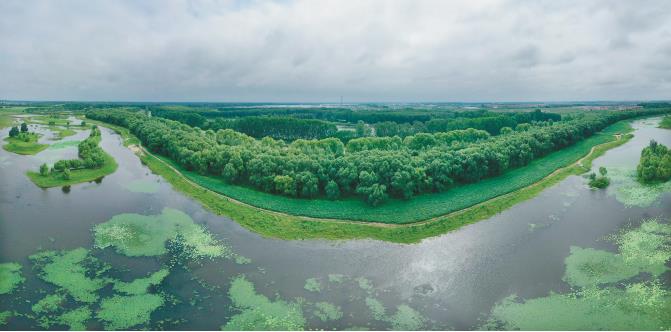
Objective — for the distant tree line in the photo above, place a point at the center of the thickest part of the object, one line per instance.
(291, 128)
(371, 168)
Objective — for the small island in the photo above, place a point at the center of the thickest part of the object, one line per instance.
(93, 164)
(22, 141)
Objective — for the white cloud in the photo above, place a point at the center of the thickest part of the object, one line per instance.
(318, 50)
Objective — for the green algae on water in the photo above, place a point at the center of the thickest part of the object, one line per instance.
(628, 191)
(140, 235)
(327, 311)
(63, 144)
(49, 303)
(365, 284)
(257, 312)
(10, 277)
(76, 319)
(642, 306)
(597, 303)
(71, 270)
(587, 266)
(5, 316)
(123, 312)
(313, 285)
(406, 319)
(376, 308)
(336, 278)
(142, 186)
(141, 285)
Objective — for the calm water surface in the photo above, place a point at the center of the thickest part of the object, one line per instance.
(453, 280)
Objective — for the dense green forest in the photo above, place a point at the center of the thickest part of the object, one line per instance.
(373, 168)
(655, 164)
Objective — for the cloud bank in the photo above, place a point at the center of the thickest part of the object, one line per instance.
(321, 50)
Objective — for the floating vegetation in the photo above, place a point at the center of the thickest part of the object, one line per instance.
(63, 144)
(313, 285)
(241, 260)
(141, 285)
(406, 319)
(641, 306)
(327, 312)
(365, 284)
(49, 303)
(70, 270)
(5, 316)
(143, 186)
(337, 278)
(630, 192)
(76, 319)
(123, 312)
(140, 235)
(259, 313)
(595, 303)
(10, 277)
(376, 308)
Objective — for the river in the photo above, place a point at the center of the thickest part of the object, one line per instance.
(451, 281)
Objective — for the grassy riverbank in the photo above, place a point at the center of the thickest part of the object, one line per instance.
(421, 207)
(22, 146)
(56, 179)
(284, 226)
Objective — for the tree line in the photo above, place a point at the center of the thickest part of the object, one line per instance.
(371, 168)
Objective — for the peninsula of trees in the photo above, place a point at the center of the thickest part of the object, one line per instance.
(372, 168)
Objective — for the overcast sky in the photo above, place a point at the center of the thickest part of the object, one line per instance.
(317, 51)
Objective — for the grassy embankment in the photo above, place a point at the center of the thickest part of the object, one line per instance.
(24, 144)
(56, 179)
(422, 207)
(289, 227)
(666, 122)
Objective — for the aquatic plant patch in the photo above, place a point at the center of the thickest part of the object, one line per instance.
(63, 144)
(326, 311)
(257, 312)
(630, 192)
(602, 297)
(313, 285)
(123, 312)
(75, 271)
(133, 234)
(10, 277)
(141, 285)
